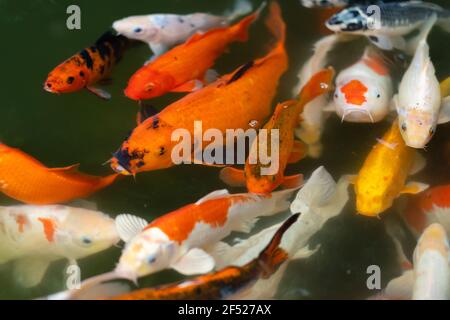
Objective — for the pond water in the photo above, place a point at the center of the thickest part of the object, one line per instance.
(80, 128)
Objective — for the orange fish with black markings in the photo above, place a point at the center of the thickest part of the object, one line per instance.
(235, 101)
(185, 67)
(27, 180)
(284, 120)
(227, 283)
(88, 67)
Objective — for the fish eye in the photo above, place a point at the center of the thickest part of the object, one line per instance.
(70, 80)
(86, 240)
(151, 259)
(404, 126)
(137, 30)
(378, 96)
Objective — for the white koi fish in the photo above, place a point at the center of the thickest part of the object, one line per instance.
(163, 31)
(419, 100)
(364, 90)
(35, 236)
(430, 278)
(320, 199)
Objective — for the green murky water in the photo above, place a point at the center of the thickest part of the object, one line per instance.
(80, 128)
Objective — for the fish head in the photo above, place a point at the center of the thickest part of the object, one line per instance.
(148, 252)
(148, 148)
(147, 84)
(137, 28)
(352, 19)
(84, 232)
(434, 238)
(362, 100)
(417, 127)
(65, 79)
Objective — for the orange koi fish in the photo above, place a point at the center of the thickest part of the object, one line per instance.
(234, 101)
(185, 67)
(88, 67)
(27, 180)
(428, 207)
(227, 283)
(285, 120)
(383, 176)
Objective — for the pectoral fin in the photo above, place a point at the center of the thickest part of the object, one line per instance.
(128, 226)
(233, 177)
(30, 271)
(100, 93)
(351, 178)
(69, 169)
(292, 182)
(299, 152)
(444, 115)
(414, 188)
(195, 261)
(189, 86)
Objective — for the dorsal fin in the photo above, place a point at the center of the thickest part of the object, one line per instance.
(241, 71)
(213, 195)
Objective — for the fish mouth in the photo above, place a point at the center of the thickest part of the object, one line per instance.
(349, 111)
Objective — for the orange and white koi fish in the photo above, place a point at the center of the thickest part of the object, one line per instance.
(88, 67)
(35, 236)
(247, 94)
(430, 278)
(228, 283)
(364, 91)
(419, 101)
(180, 240)
(284, 120)
(428, 207)
(163, 31)
(319, 200)
(384, 172)
(185, 67)
(27, 180)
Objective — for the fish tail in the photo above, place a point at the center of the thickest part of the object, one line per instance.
(273, 256)
(276, 25)
(244, 25)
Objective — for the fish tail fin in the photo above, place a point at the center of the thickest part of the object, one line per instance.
(271, 258)
(243, 26)
(281, 199)
(241, 8)
(276, 25)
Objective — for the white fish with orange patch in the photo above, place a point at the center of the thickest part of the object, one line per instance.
(419, 99)
(364, 91)
(35, 236)
(181, 239)
(163, 31)
(430, 279)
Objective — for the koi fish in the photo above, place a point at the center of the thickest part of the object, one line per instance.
(185, 67)
(340, 3)
(284, 120)
(228, 283)
(163, 31)
(27, 180)
(392, 22)
(88, 67)
(319, 200)
(419, 100)
(364, 90)
(35, 236)
(426, 208)
(247, 94)
(181, 239)
(430, 278)
(384, 172)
